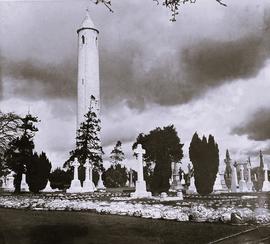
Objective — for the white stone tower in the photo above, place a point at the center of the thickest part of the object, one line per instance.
(88, 69)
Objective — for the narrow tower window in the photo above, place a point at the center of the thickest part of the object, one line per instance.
(83, 39)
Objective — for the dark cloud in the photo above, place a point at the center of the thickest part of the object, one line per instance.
(42, 80)
(257, 127)
(131, 71)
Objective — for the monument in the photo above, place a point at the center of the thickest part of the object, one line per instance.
(266, 183)
(75, 186)
(88, 84)
(140, 190)
(48, 187)
(183, 182)
(192, 188)
(249, 182)
(9, 182)
(88, 184)
(24, 185)
(242, 182)
(131, 183)
(100, 185)
(234, 180)
(176, 183)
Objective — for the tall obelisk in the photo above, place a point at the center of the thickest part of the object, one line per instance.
(88, 69)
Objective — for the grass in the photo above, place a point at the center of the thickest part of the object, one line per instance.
(42, 227)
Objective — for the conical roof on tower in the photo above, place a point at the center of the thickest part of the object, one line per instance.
(87, 23)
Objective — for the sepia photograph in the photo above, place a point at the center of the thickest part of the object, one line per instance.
(134, 121)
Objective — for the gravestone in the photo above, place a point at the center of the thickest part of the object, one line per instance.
(249, 182)
(266, 183)
(100, 185)
(48, 187)
(242, 182)
(140, 190)
(217, 188)
(24, 185)
(176, 183)
(131, 183)
(183, 182)
(88, 184)
(75, 186)
(9, 186)
(192, 188)
(234, 180)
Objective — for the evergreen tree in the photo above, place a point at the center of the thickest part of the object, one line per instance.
(88, 144)
(20, 151)
(204, 156)
(228, 170)
(60, 179)
(162, 147)
(115, 176)
(117, 155)
(38, 171)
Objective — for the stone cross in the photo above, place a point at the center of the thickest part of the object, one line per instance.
(76, 165)
(242, 172)
(140, 152)
(87, 166)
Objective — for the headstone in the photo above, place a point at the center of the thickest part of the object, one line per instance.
(183, 182)
(140, 191)
(163, 195)
(176, 183)
(179, 194)
(266, 183)
(234, 180)
(242, 182)
(3, 182)
(88, 184)
(9, 185)
(217, 188)
(48, 187)
(249, 182)
(100, 185)
(222, 168)
(131, 183)
(192, 188)
(24, 185)
(75, 186)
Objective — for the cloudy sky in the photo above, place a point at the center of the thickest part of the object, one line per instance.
(207, 72)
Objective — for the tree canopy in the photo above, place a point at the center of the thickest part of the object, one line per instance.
(162, 146)
(204, 155)
(172, 5)
(20, 151)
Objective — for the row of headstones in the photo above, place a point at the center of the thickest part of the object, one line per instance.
(88, 184)
(247, 186)
(8, 184)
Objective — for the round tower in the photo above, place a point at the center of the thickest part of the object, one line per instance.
(88, 69)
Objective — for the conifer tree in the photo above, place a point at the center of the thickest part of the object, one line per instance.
(21, 149)
(228, 169)
(117, 155)
(204, 156)
(116, 175)
(38, 171)
(88, 144)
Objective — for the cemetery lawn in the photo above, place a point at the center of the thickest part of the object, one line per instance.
(54, 227)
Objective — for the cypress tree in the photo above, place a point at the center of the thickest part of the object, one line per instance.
(204, 156)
